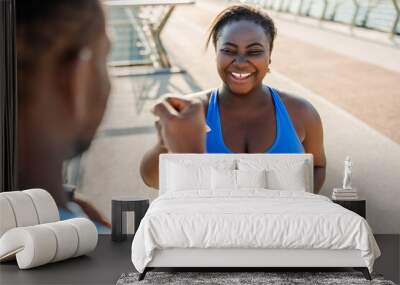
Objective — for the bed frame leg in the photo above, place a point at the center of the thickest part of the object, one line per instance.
(364, 271)
(143, 274)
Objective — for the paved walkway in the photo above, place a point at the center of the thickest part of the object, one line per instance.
(332, 80)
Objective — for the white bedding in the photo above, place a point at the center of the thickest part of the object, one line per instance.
(252, 218)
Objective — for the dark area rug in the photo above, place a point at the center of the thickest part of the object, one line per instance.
(269, 278)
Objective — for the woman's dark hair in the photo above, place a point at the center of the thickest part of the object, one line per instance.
(56, 28)
(237, 13)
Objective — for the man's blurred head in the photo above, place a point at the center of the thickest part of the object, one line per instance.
(63, 84)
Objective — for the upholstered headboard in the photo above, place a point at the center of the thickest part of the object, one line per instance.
(205, 159)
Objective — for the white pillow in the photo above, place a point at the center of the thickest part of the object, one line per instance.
(293, 178)
(223, 179)
(281, 174)
(186, 174)
(181, 177)
(251, 178)
(226, 179)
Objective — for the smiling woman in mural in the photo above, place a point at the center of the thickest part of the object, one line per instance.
(243, 115)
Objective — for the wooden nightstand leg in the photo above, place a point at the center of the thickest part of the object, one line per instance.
(364, 271)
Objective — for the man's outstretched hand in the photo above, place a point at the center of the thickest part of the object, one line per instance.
(181, 125)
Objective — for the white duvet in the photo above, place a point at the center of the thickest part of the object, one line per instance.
(250, 219)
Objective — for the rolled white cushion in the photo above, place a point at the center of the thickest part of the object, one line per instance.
(67, 240)
(7, 218)
(33, 246)
(40, 244)
(23, 208)
(87, 235)
(45, 205)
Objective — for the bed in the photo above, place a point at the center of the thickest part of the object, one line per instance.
(246, 211)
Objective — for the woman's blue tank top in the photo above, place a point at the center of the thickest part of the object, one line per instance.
(286, 139)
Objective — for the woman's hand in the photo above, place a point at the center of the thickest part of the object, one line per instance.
(181, 125)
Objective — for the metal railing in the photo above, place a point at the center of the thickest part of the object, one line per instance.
(137, 26)
(382, 15)
(130, 45)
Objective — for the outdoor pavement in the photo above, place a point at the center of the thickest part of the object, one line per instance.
(353, 82)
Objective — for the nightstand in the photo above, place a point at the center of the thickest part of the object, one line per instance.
(121, 205)
(357, 206)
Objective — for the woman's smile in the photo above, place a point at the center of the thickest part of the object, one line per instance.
(240, 77)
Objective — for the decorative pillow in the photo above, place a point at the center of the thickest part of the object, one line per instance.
(187, 174)
(181, 177)
(251, 178)
(229, 180)
(223, 179)
(293, 179)
(281, 174)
